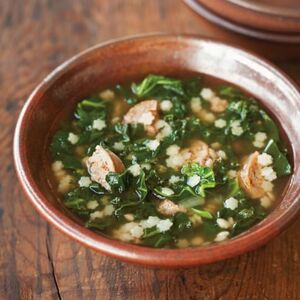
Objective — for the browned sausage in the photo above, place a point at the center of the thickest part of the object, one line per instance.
(145, 112)
(202, 154)
(101, 163)
(169, 208)
(250, 177)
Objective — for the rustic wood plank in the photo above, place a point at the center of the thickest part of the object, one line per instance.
(36, 261)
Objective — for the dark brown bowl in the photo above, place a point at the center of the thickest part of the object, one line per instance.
(127, 60)
(249, 19)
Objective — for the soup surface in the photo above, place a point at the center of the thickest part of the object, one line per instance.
(169, 163)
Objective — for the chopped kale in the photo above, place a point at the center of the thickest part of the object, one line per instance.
(281, 165)
(196, 193)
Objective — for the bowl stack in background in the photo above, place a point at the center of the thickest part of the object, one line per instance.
(270, 27)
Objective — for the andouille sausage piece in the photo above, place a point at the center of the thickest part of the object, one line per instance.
(250, 177)
(145, 112)
(169, 208)
(202, 153)
(101, 163)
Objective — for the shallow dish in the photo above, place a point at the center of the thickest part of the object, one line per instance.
(266, 15)
(249, 19)
(127, 60)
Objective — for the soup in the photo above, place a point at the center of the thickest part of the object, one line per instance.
(169, 163)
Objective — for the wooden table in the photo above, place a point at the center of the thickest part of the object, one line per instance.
(38, 262)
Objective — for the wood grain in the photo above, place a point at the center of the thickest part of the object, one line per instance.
(36, 261)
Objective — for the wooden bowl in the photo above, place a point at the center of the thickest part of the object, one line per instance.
(124, 61)
(257, 18)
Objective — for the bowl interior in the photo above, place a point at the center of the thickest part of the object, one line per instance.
(125, 61)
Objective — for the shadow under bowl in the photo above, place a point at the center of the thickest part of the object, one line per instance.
(127, 60)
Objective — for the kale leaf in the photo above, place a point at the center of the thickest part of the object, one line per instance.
(88, 110)
(206, 174)
(245, 215)
(124, 181)
(184, 192)
(202, 213)
(158, 86)
(127, 93)
(153, 237)
(230, 93)
(129, 132)
(60, 144)
(119, 182)
(181, 223)
(99, 223)
(62, 149)
(270, 126)
(281, 164)
(141, 187)
(77, 200)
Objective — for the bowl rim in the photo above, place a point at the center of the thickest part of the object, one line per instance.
(128, 252)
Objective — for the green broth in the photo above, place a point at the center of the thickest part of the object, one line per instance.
(181, 183)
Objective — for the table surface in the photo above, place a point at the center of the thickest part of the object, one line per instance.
(37, 261)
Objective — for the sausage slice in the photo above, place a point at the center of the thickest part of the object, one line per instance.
(146, 113)
(202, 154)
(250, 177)
(169, 208)
(101, 163)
